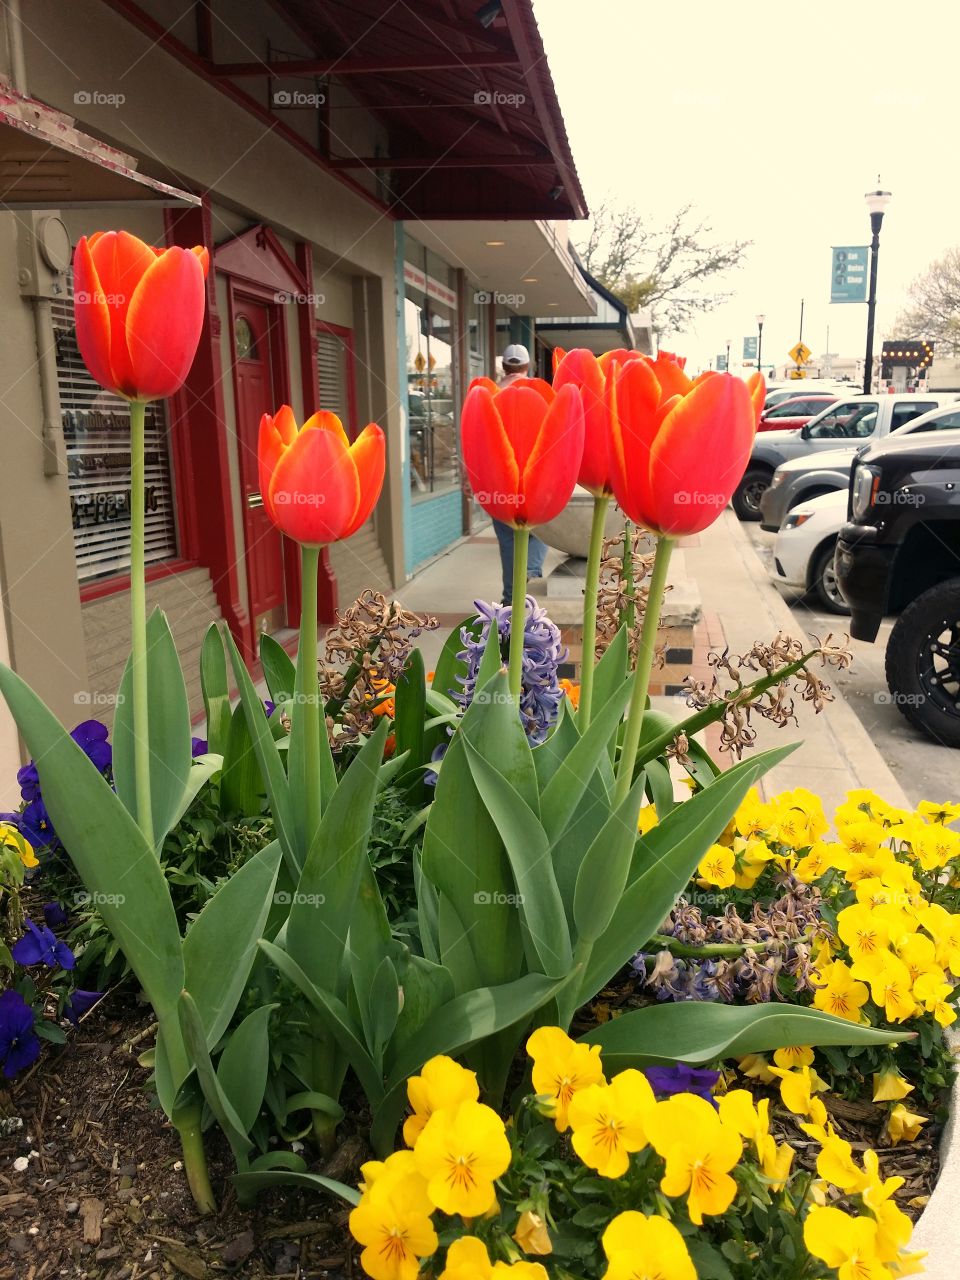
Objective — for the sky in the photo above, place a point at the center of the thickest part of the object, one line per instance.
(773, 119)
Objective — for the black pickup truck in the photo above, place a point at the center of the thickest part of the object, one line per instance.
(899, 552)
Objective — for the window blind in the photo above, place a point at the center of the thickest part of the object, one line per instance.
(96, 429)
(332, 376)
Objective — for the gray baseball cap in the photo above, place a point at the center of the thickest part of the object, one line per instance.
(515, 356)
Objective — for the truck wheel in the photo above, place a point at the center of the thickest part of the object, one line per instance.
(746, 499)
(923, 663)
(823, 581)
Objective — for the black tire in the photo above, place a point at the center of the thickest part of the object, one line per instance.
(823, 581)
(923, 663)
(746, 499)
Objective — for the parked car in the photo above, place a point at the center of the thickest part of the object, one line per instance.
(792, 414)
(856, 419)
(803, 552)
(779, 391)
(807, 477)
(899, 552)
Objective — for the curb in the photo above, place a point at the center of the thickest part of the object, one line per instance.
(938, 1228)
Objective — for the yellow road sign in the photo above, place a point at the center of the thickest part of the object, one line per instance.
(800, 354)
(798, 373)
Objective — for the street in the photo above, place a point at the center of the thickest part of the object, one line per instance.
(925, 770)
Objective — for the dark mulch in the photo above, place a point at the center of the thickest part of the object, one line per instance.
(103, 1198)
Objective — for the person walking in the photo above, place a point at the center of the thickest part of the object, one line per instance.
(515, 362)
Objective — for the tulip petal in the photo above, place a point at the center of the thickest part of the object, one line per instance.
(535, 384)
(633, 399)
(758, 393)
(581, 368)
(550, 474)
(369, 454)
(122, 260)
(315, 490)
(286, 424)
(670, 375)
(488, 455)
(204, 257)
(488, 383)
(522, 410)
(324, 420)
(271, 447)
(92, 316)
(700, 453)
(164, 323)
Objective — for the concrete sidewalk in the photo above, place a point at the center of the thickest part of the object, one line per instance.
(836, 754)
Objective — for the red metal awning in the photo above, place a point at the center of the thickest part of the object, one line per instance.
(47, 163)
(460, 88)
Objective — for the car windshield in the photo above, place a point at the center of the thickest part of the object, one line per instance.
(849, 420)
(798, 408)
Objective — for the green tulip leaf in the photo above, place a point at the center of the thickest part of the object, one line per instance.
(244, 1064)
(215, 689)
(249, 1182)
(278, 670)
(605, 868)
(570, 781)
(221, 1106)
(241, 784)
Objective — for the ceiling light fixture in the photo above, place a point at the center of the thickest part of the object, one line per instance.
(494, 244)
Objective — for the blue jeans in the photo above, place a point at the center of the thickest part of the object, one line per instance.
(535, 557)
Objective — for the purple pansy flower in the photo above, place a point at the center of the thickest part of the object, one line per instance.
(54, 914)
(79, 1003)
(39, 946)
(91, 736)
(19, 1044)
(198, 747)
(666, 1081)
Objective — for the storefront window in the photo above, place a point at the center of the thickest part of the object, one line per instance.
(96, 429)
(430, 311)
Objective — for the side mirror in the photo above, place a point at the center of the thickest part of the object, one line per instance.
(805, 431)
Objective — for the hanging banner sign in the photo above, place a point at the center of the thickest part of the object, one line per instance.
(848, 276)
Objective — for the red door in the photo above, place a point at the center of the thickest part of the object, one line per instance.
(256, 348)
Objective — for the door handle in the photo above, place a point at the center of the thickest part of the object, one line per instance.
(254, 500)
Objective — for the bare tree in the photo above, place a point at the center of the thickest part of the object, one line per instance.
(934, 308)
(664, 269)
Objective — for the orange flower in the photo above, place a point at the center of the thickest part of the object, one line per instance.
(317, 487)
(522, 447)
(138, 312)
(678, 447)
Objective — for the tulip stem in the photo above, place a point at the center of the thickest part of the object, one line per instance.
(641, 676)
(590, 589)
(138, 623)
(518, 618)
(309, 706)
(626, 573)
(188, 1126)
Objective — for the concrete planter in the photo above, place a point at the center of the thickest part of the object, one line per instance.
(938, 1230)
(570, 532)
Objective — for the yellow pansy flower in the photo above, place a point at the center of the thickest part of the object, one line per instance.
(561, 1067)
(890, 1086)
(717, 866)
(753, 1123)
(648, 819)
(608, 1122)
(642, 1248)
(461, 1153)
(441, 1084)
(876, 1189)
(699, 1150)
(750, 858)
(11, 838)
(532, 1235)
(824, 856)
(945, 812)
(798, 1087)
(919, 954)
(753, 816)
(393, 1222)
(798, 1055)
(848, 1244)
(839, 993)
(890, 989)
(836, 1165)
(933, 993)
(756, 1067)
(467, 1259)
(862, 837)
(866, 936)
(904, 1125)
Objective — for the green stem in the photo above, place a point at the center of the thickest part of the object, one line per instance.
(626, 573)
(590, 590)
(711, 950)
(518, 618)
(138, 623)
(641, 677)
(187, 1123)
(310, 706)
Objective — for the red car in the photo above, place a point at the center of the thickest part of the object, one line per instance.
(791, 415)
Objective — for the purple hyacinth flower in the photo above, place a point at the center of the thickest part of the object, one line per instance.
(666, 1081)
(436, 755)
(79, 1003)
(54, 914)
(198, 747)
(19, 1044)
(39, 946)
(91, 736)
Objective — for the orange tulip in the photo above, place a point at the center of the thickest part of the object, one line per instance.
(678, 447)
(522, 447)
(584, 370)
(317, 487)
(138, 312)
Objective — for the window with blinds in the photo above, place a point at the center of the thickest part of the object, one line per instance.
(96, 428)
(332, 375)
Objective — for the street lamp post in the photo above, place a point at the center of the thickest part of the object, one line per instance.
(760, 320)
(728, 355)
(877, 202)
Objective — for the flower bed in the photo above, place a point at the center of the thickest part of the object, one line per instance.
(385, 885)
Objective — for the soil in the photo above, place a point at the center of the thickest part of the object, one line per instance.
(103, 1196)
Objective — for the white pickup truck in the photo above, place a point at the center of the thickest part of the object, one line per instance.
(855, 420)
